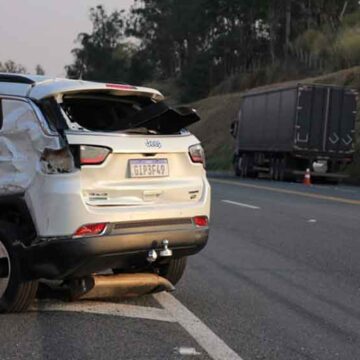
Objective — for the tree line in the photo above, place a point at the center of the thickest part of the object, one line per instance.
(197, 44)
(11, 66)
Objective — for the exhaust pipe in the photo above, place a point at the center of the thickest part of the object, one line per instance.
(121, 285)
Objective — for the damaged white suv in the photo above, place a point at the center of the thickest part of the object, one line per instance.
(94, 177)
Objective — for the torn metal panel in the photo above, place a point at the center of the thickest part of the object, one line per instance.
(22, 143)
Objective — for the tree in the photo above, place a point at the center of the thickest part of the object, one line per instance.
(10, 66)
(199, 42)
(102, 54)
(39, 70)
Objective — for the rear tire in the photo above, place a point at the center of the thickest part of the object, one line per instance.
(244, 166)
(274, 169)
(16, 295)
(237, 166)
(174, 270)
(282, 170)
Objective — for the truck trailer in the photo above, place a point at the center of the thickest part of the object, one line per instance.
(285, 131)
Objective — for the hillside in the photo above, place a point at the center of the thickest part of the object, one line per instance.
(217, 112)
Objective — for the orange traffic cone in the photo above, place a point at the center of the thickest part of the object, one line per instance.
(307, 177)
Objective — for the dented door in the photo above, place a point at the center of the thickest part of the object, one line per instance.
(22, 142)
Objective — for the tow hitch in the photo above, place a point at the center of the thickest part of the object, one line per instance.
(164, 252)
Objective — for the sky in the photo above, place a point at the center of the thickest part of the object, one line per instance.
(44, 31)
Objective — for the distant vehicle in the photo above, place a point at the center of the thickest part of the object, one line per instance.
(284, 131)
(95, 177)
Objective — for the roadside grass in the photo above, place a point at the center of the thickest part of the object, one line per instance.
(222, 159)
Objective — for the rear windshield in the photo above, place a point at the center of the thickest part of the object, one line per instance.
(127, 113)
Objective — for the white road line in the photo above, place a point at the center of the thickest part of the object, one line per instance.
(106, 308)
(241, 204)
(211, 343)
(187, 351)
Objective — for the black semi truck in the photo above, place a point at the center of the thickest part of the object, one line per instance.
(285, 131)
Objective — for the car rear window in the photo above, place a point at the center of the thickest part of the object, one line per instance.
(126, 113)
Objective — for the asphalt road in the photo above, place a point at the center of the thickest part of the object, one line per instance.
(279, 279)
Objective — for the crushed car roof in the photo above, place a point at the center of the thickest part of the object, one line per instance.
(39, 87)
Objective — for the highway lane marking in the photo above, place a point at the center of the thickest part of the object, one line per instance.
(241, 204)
(105, 308)
(187, 351)
(172, 311)
(291, 192)
(211, 343)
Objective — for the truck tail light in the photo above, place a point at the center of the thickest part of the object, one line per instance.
(90, 230)
(93, 155)
(197, 154)
(201, 221)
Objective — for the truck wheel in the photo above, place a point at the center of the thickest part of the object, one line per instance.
(252, 173)
(274, 169)
(277, 170)
(174, 270)
(16, 295)
(237, 166)
(271, 169)
(244, 166)
(282, 169)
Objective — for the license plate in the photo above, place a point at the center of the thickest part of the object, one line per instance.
(149, 168)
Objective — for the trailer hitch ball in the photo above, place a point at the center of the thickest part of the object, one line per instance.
(165, 252)
(151, 256)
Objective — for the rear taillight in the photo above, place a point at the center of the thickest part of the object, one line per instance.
(201, 221)
(93, 155)
(197, 154)
(90, 230)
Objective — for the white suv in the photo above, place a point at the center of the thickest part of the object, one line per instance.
(93, 177)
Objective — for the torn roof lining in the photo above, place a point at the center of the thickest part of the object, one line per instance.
(40, 87)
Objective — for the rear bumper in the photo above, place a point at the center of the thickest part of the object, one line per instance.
(63, 258)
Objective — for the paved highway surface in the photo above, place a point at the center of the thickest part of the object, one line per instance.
(279, 279)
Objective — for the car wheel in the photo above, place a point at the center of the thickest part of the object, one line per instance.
(174, 270)
(16, 295)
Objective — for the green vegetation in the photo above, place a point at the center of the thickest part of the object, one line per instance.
(199, 48)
